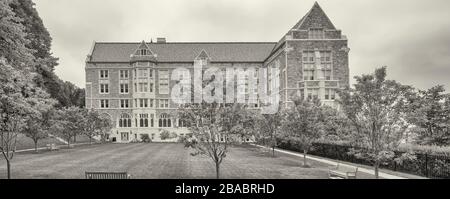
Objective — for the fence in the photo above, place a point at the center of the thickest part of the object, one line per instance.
(426, 165)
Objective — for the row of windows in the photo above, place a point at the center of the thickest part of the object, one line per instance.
(321, 74)
(138, 103)
(312, 56)
(145, 121)
(313, 93)
(125, 74)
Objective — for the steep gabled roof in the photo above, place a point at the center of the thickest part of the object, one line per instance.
(315, 18)
(185, 51)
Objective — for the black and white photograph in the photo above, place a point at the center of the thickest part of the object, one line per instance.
(224, 90)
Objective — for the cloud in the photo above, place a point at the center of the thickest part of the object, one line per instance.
(411, 37)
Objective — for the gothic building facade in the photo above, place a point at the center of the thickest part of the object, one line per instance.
(130, 82)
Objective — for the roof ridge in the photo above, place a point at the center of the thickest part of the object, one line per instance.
(188, 43)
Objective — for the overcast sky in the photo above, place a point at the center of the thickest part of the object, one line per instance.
(411, 37)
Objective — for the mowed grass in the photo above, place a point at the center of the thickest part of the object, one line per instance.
(161, 161)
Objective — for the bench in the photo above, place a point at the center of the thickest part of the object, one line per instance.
(342, 172)
(52, 147)
(107, 175)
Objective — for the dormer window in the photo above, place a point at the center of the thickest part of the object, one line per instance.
(144, 52)
(316, 33)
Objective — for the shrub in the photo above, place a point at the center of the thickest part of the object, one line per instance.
(145, 138)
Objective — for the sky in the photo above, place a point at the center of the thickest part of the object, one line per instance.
(410, 37)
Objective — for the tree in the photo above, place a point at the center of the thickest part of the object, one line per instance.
(428, 112)
(214, 128)
(336, 126)
(69, 123)
(302, 124)
(13, 39)
(38, 125)
(18, 100)
(376, 108)
(269, 128)
(93, 124)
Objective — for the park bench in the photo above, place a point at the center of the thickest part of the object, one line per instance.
(107, 175)
(342, 172)
(52, 147)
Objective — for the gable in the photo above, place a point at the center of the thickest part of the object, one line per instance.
(315, 18)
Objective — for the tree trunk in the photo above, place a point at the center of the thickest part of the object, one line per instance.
(8, 168)
(273, 151)
(35, 146)
(217, 170)
(304, 158)
(74, 139)
(90, 140)
(376, 166)
(68, 143)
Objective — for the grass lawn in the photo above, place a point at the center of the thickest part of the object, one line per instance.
(157, 161)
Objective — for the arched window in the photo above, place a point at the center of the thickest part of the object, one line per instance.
(181, 123)
(125, 121)
(143, 121)
(164, 121)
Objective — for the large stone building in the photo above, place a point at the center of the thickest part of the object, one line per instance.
(130, 82)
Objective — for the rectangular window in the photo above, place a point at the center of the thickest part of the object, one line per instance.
(104, 103)
(151, 87)
(151, 103)
(143, 87)
(143, 103)
(125, 103)
(124, 74)
(308, 75)
(328, 74)
(104, 74)
(104, 88)
(163, 103)
(163, 82)
(313, 93)
(308, 56)
(123, 88)
(330, 94)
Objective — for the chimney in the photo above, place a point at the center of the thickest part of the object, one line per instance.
(161, 40)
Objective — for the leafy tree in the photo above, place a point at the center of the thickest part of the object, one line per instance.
(429, 113)
(38, 125)
(93, 124)
(376, 108)
(209, 123)
(18, 100)
(69, 123)
(13, 39)
(269, 128)
(302, 124)
(336, 126)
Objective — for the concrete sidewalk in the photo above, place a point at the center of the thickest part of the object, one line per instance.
(45, 148)
(364, 170)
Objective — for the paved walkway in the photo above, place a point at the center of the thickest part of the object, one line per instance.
(44, 148)
(364, 170)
